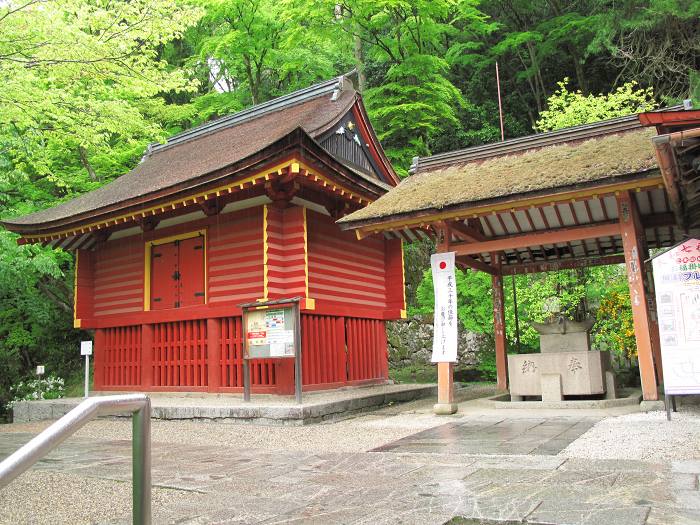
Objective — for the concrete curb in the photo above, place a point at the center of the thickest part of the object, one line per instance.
(308, 413)
(503, 401)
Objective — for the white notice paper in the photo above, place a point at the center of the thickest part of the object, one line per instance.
(277, 349)
(677, 286)
(85, 347)
(445, 332)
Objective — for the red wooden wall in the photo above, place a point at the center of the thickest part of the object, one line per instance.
(286, 253)
(343, 270)
(356, 286)
(118, 277)
(235, 257)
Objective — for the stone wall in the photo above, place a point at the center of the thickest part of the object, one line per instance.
(411, 342)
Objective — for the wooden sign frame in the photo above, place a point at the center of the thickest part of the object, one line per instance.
(293, 305)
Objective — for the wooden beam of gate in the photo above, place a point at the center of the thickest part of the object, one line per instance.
(566, 264)
(475, 264)
(559, 235)
(466, 233)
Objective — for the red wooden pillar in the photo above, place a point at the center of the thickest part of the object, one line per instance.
(499, 326)
(341, 351)
(214, 354)
(654, 324)
(98, 378)
(395, 288)
(651, 307)
(632, 234)
(146, 356)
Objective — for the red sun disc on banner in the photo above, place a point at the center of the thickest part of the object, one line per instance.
(443, 265)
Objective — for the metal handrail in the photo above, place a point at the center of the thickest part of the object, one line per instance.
(138, 404)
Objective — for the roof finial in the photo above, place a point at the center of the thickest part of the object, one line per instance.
(414, 165)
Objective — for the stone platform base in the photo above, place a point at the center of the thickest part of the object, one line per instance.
(652, 406)
(444, 409)
(627, 398)
(262, 409)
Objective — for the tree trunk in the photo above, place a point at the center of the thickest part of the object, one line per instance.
(86, 164)
(359, 64)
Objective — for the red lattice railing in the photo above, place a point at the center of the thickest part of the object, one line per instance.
(121, 356)
(367, 349)
(175, 356)
(323, 350)
(179, 354)
(262, 371)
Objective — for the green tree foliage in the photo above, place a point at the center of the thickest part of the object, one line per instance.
(254, 51)
(83, 93)
(474, 291)
(410, 49)
(593, 293)
(36, 317)
(88, 83)
(80, 78)
(656, 42)
(569, 108)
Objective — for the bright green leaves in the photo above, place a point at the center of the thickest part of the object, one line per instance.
(255, 51)
(569, 108)
(475, 309)
(83, 88)
(78, 80)
(598, 293)
(412, 48)
(415, 103)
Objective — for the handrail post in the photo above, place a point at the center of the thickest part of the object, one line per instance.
(139, 405)
(141, 465)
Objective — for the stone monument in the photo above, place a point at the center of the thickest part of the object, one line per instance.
(565, 366)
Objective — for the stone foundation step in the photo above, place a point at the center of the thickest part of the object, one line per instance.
(265, 409)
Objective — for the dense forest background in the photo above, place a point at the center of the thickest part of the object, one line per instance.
(87, 84)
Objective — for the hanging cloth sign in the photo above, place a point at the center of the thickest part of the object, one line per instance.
(445, 329)
(677, 286)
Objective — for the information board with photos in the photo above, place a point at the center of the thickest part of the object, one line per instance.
(270, 333)
(677, 286)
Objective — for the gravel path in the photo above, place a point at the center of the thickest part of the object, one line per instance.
(53, 497)
(643, 436)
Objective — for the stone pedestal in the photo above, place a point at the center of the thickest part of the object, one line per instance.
(565, 367)
(444, 409)
(581, 373)
(551, 387)
(610, 385)
(564, 335)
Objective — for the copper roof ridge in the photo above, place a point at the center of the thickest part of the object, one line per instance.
(253, 112)
(535, 141)
(322, 128)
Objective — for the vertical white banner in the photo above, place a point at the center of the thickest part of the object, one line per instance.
(677, 287)
(445, 332)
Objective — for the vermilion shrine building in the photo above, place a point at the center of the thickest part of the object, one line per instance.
(236, 210)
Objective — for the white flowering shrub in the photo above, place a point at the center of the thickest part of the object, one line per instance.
(51, 387)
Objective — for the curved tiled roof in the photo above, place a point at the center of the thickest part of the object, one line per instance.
(214, 145)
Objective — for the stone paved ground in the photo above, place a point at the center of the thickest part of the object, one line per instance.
(475, 468)
(494, 435)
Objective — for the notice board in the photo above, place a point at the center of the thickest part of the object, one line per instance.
(677, 286)
(270, 333)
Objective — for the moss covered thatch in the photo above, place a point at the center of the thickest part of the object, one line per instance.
(551, 167)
